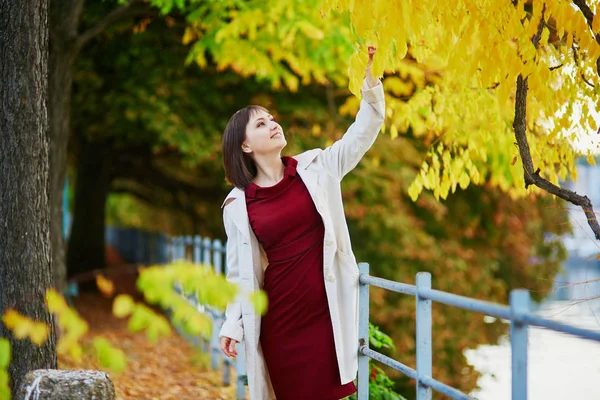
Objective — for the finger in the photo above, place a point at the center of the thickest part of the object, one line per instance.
(232, 347)
(225, 346)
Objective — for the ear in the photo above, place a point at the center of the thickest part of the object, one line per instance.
(246, 148)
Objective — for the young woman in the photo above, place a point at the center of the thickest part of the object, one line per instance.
(287, 235)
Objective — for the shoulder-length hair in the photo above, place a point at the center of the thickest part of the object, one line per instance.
(240, 168)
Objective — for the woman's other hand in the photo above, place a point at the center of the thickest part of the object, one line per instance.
(371, 81)
(228, 346)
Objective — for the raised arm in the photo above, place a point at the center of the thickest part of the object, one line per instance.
(341, 157)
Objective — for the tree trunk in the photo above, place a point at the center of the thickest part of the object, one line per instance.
(86, 246)
(64, 20)
(25, 247)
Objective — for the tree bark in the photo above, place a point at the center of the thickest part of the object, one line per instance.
(25, 248)
(65, 45)
(86, 246)
(64, 20)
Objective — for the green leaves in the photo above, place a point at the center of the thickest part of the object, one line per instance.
(260, 302)
(110, 356)
(4, 353)
(4, 385)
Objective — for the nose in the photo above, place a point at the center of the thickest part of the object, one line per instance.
(274, 125)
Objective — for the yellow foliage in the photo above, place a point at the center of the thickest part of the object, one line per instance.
(105, 286)
(469, 57)
(123, 306)
(73, 326)
(25, 328)
(55, 302)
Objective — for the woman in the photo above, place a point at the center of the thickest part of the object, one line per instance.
(287, 235)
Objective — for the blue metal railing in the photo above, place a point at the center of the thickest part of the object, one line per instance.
(518, 314)
(210, 252)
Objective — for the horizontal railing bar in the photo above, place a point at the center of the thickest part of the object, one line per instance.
(444, 389)
(411, 373)
(387, 284)
(390, 362)
(560, 327)
(467, 303)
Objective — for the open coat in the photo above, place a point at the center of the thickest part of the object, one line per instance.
(322, 172)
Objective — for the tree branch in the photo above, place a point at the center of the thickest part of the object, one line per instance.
(576, 58)
(534, 178)
(132, 9)
(587, 11)
(589, 17)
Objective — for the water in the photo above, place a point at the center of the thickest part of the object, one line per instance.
(560, 366)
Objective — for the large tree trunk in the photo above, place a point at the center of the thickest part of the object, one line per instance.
(64, 20)
(86, 246)
(25, 252)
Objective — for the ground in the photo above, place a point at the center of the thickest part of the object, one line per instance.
(168, 370)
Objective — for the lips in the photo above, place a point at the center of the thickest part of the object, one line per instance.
(276, 133)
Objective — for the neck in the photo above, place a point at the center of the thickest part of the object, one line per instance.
(269, 170)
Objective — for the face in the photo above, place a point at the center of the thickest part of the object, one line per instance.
(264, 136)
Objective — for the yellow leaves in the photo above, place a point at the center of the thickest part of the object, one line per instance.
(393, 131)
(106, 287)
(361, 16)
(55, 302)
(123, 306)
(310, 30)
(188, 36)
(590, 159)
(356, 71)
(72, 325)
(596, 23)
(25, 328)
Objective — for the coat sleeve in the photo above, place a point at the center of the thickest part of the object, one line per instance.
(341, 157)
(232, 327)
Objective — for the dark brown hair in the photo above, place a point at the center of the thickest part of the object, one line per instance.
(240, 168)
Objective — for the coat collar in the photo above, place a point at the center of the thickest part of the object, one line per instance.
(236, 199)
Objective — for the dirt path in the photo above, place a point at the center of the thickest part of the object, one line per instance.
(168, 370)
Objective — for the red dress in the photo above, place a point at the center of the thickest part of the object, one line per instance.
(296, 332)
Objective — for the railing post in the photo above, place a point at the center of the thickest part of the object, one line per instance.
(423, 336)
(207, 250)
(218, 256)
(188, 241)
(519, 304)
(240, 367)
(197, 250)
(363, 334)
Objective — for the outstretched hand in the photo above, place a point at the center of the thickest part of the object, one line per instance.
(371, 81)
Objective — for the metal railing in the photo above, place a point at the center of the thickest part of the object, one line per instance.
(518, 313)
(210, 252)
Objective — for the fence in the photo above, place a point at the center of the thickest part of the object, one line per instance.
(518, 314)
(210, 252)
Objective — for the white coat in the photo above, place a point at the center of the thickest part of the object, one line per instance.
(322, 172)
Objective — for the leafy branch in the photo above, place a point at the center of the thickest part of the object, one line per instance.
(531, 176)
(133, 8)
(589, 17)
